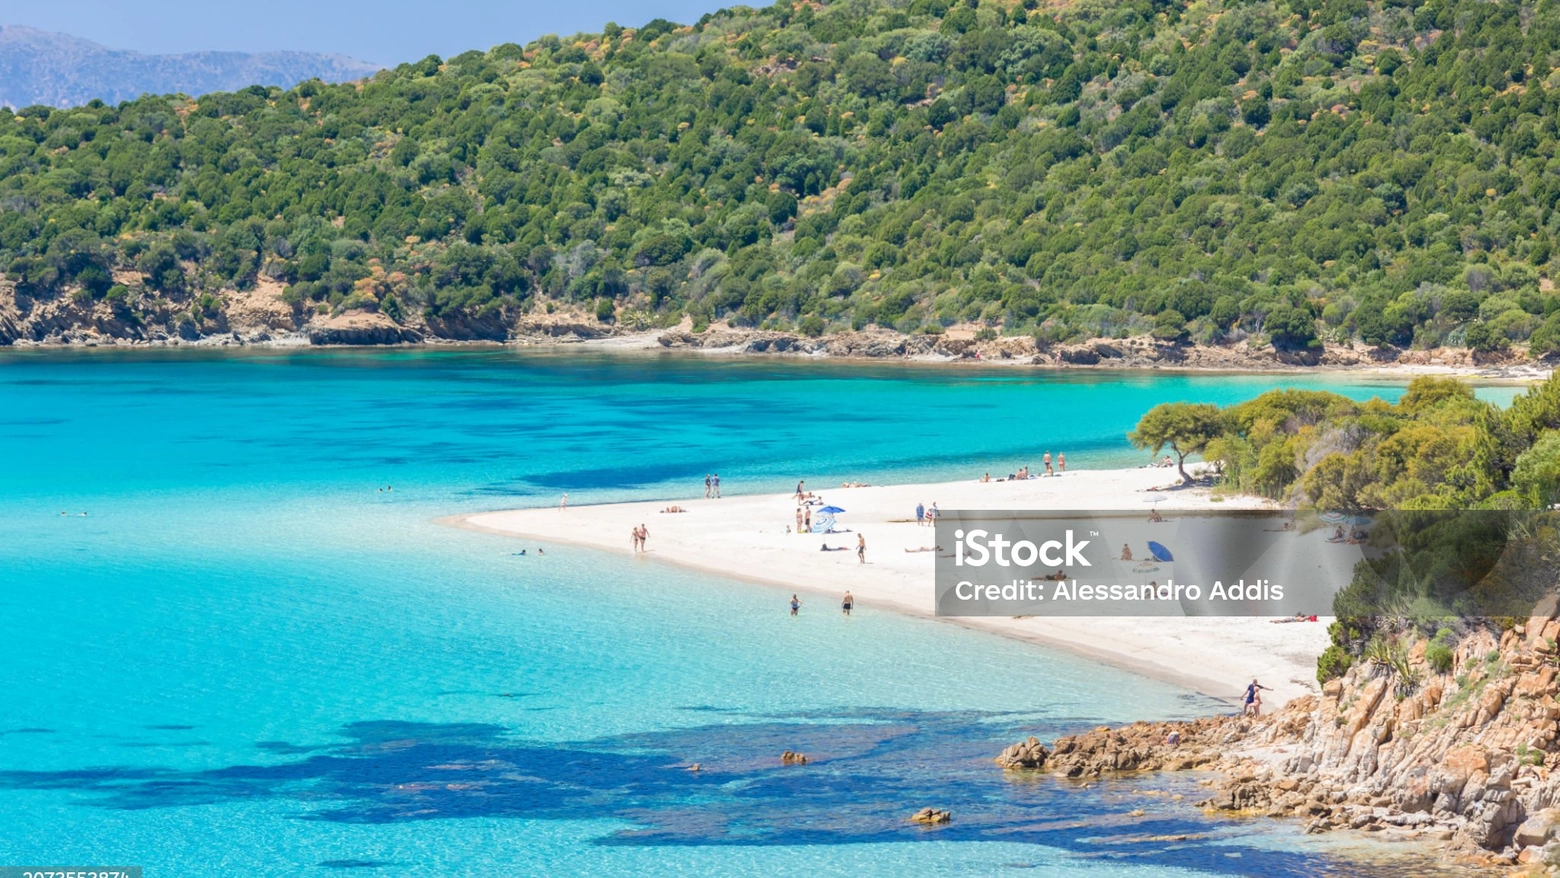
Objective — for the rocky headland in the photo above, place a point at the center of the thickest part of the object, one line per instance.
(1466, 758)
(263, 316)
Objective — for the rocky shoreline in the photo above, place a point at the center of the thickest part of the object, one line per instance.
(1467, 759)
(262, 317)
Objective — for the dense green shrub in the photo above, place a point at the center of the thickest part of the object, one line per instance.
(1440, 651)
(1334, 663)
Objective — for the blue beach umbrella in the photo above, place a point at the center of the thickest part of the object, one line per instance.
(824, 523)
(1159, 552)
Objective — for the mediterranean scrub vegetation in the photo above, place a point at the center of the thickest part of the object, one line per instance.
(1285, 171)
(1456, 497)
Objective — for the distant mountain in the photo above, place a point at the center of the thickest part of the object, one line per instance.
(41, 67)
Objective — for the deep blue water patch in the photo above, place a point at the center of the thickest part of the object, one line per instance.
(867, 773)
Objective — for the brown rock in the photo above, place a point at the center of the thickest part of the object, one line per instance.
(1538, 829)
(1028, 754)
(1081, 355)
(360, 328)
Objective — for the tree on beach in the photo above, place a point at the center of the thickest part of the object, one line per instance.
(1185, 428)
(1460, 490)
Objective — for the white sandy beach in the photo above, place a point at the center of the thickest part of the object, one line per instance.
(745, 537)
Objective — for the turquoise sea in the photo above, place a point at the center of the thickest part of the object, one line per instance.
(247, 657)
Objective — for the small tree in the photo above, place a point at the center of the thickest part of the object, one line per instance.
(1537, 476)
(1292, 329)
(1485, 338)
(1185, 428)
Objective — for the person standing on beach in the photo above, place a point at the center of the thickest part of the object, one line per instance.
(1254, 698)
(861, 548)
(848, 602)
(799, 520)
(931, 515)
(920, 515)
(807, 521)
(799, 492)
(644, 534)
(707, 494)
(1061, 462)
(564, 503)
(1048, 470)
(795, 604)
(717, 486)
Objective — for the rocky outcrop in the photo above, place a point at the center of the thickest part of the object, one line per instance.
(262, 315)
(360, 328)
(1078, 355)
(1028, 754)
(560, 327)
(1143, 747)
(1469, 757)
(931, 817)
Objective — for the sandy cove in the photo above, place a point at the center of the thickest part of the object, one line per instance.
(745, 537)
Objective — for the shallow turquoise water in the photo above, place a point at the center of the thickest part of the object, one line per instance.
(246, 655)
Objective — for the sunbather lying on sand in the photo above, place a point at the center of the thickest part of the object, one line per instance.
(673, 509)
(925, 549)
(828, 548)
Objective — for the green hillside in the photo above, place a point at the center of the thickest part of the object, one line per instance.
(1293, 170)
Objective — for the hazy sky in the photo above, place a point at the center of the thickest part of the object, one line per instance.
(383, 31)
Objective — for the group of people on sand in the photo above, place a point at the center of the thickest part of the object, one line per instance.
(640, 534)
(1355, 537)
(712, 486)
(926, 516)
(846, 605)
(805, 496)
(1024, 475)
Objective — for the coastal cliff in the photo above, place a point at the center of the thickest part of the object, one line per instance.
(263, 316)
(1466, 756)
